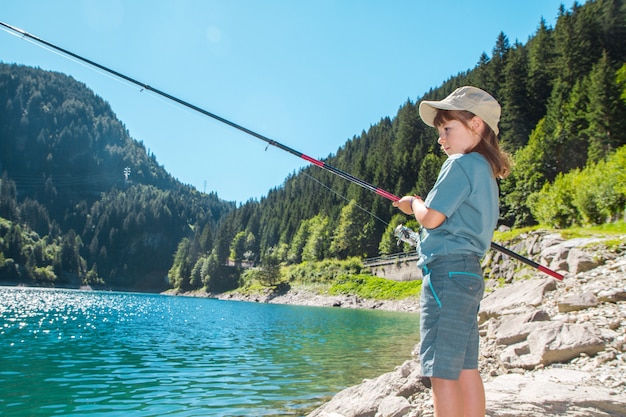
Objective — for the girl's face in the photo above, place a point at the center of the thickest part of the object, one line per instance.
(455, 137)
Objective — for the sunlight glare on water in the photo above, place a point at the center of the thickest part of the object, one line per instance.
(72, 353)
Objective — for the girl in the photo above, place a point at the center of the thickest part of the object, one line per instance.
(458, 218)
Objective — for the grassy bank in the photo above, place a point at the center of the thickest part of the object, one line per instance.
(330, 277)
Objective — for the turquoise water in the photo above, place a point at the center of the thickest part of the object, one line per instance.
(76, 353)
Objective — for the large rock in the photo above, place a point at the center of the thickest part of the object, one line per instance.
(552, 342)
(516, 297)
(579, 261)
(516, 328)
(550, 392)
(393, 407)
(612, 295)
(376, 397)
(566, 255)
(577, 302)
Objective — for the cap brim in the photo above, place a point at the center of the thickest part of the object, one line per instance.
(428, 110)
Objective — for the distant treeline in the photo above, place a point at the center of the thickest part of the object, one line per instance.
(63, 154)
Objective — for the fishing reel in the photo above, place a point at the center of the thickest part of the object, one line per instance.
(407, 235)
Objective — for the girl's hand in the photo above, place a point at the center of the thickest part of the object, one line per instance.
(405, 204)
(414, 205)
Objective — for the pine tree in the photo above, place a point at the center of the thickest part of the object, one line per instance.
(238, 248)
(514, 98)
(316, 247)
(8, 200)
(605, 112)
(541, 71)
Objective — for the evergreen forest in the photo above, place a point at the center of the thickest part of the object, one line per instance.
(82, 203)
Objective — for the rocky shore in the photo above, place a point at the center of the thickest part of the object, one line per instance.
(304, 297)
(548, 347)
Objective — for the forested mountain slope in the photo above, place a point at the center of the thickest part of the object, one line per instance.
(99, 210)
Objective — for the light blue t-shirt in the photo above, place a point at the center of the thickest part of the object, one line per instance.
(466, 192)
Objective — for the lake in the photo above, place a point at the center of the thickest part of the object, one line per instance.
(77, 353)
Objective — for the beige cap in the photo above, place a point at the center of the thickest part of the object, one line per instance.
(467, 98)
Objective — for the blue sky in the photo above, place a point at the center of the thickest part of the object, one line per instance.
(310, 74)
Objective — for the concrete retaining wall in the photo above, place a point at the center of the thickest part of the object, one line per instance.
(398, 269)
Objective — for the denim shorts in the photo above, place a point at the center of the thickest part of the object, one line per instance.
(452, 289)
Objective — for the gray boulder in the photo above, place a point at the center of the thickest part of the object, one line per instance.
(380, 397)
(517, 297)
(550, 392)
(577, 302)
(552, 342)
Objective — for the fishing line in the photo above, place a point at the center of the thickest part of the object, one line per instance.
(403, 233)
(316, 162)
(51, 49)
(344, 198)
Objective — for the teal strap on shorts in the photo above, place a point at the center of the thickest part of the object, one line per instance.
(430, 284)
(425, 273)
(451, 273)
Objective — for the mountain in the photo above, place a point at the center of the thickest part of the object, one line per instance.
(70, 167)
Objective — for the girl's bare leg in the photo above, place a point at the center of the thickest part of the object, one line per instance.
(464, 397)
(473, 393)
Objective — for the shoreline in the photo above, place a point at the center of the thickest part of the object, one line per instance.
(303, 297)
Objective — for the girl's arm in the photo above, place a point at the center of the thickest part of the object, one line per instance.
(427, 217)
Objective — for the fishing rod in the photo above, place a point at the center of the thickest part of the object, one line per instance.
(402, 232)
(144, 86)
(409, 236)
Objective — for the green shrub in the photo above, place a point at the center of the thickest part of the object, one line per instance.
(367, 286)
(324, 271)
(591, 196)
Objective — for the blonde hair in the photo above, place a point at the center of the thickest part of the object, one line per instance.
(488, 145)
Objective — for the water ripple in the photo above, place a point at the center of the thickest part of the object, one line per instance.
(77, 353)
